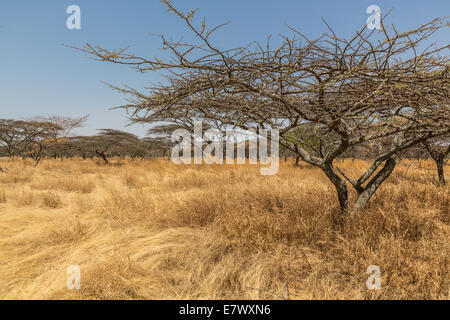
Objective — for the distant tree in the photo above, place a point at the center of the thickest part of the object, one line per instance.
(31, 138)
(111, 142)
(160, 136)
(439, 150)
(17, 135)
(159, 141)
(52, 130)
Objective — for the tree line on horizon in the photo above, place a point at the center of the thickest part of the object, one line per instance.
(52, 138)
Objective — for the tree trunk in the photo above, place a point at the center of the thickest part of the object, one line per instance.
(440, 169)
(366, 193)
(341, 188)
(102, 155)
(36, 161)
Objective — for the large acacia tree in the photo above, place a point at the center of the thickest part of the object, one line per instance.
(386, 89)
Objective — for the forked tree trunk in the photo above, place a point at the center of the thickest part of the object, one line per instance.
(36, 161)
(341, 188)
(438, 157)
(366, 193)
(103, 156)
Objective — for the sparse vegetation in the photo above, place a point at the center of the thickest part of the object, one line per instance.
(358, 126)
(153, 230)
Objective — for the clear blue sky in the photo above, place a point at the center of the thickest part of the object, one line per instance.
(39, 76)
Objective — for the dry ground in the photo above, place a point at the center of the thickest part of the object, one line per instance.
(154, 230)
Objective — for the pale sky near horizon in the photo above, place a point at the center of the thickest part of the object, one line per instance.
(40, 76)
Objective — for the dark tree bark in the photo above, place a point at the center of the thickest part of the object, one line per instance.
(438, 154)
(341, 188)
(365, 194)
(102, 155)
(440, 169)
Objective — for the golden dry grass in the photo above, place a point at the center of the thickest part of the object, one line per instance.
(154, 230)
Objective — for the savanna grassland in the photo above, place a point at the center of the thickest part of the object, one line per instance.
(154, 230)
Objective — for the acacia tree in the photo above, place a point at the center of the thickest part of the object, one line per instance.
(26, 138)
(51, 131)
(386, 89)
(159, 140)
(159, 136)
(111, 142)
(62, 127)
(439, 150)
(17, 135)
(32, 137)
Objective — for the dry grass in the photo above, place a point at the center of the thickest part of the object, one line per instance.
(153, 230)
(51, 200)
(3, 196)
